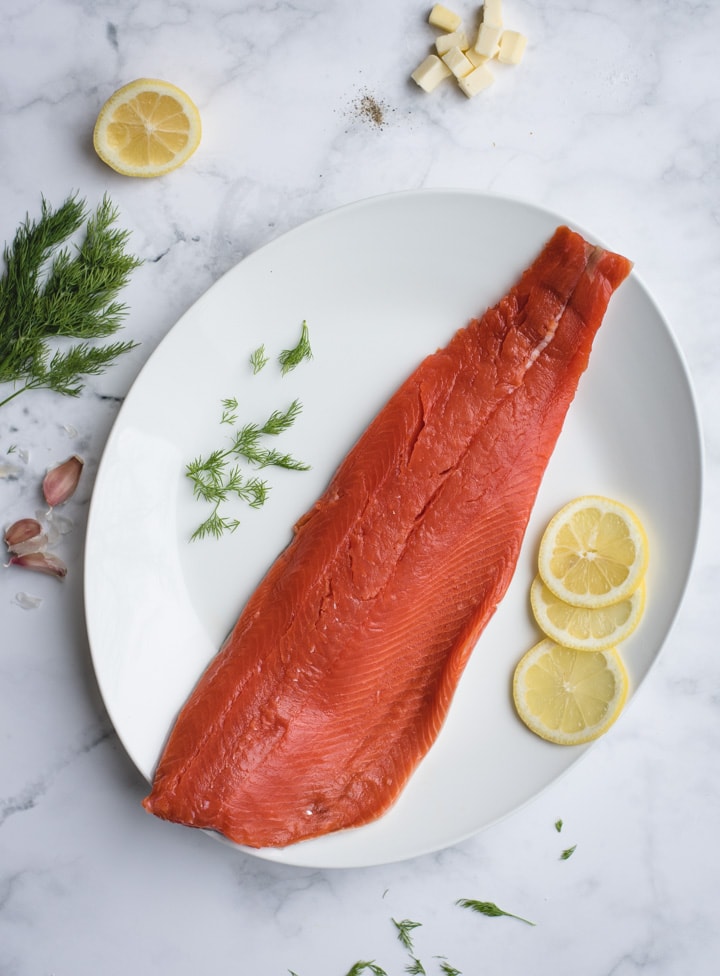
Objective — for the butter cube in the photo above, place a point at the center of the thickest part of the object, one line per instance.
(477, 60)
(492, 13)
(457, 38)
(476, 81)
(488, 40)
(443, 18)
(457, 62)
(430, 73)
(512, 47)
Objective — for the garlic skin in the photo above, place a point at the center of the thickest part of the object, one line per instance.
(25, 536)
(27, 601)
(61, 481)
(41, 562)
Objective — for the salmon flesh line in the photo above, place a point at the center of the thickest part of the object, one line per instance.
(340, 670)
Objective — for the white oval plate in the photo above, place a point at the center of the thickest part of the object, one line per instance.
(381, 283)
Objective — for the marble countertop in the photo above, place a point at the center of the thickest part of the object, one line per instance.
(611, 120)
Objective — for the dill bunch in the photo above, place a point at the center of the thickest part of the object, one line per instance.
(49, 293)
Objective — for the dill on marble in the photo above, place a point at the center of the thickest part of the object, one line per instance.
(49, 293)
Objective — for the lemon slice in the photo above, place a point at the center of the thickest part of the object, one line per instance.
(593, 553)
(147, 128)
(582, 628)
(566, 696)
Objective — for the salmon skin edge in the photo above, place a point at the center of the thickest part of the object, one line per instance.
(341, 669)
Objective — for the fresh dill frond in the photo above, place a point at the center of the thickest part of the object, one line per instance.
(449, 970)
(50, 293)
(415, 968)
(366, 967)
(255, 492)
(246, 443)
(258, 359)
(290, 358)
(568, 852)
(64, 371)
(229, 407)
(489, 909)
(404, 928)
(206, 475)
(280, 420)
(214, 481)
(275, 459)
(215, 525)
(215, 478)
(234, 484)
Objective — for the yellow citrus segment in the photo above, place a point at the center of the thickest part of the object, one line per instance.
(566, 696)
(593, 553)
(583, 628)
(147, 128)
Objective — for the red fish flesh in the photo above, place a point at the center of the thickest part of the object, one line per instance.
(340, 670)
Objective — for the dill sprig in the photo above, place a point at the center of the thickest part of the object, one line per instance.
(215, 481)
(415, 967)
(568, 852)
(366, 967)
(258, 358)
(290, 358)
(48, 292)
(404, 928)
(490, 909)
(246, 443)
(449, 970)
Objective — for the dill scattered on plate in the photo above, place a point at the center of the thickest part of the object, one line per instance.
(258, 358)
(215, 478)
(290, 358)
(218, 477)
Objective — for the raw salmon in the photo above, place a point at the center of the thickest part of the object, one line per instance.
(340, 671)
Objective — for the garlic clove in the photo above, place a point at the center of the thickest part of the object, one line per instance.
(61, 481)
(25, 535)
(41, 562)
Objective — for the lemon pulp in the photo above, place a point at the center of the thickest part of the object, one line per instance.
(566, 696)
(593, 553)
(584, 628)
(147, 128)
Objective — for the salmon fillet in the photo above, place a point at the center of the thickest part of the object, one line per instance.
(340, 670)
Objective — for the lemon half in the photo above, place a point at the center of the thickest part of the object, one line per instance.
(593, 553)
(147, 128)
(566, 696)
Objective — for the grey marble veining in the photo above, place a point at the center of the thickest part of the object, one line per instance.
(612, 119)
